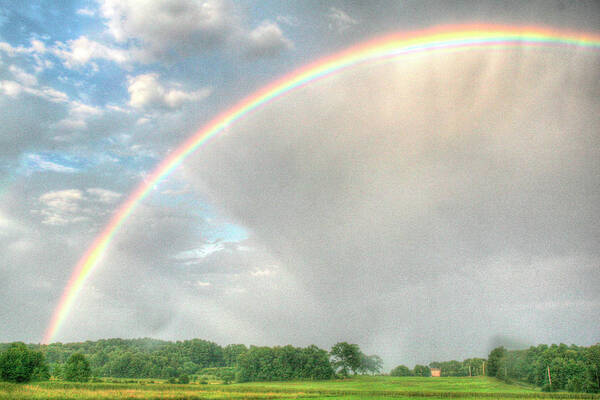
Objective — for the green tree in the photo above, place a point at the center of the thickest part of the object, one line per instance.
(345, 357)
(401, 370)
(422, 370)
(18, 363)
(231, 352)
(77, 368)
(370, 364)
(494, 360)
(592, 359)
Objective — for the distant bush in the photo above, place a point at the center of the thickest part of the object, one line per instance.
(183, 379)
(401, 370)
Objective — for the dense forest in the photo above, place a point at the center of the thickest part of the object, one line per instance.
(555, 367)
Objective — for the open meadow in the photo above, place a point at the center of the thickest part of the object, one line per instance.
(364, 387)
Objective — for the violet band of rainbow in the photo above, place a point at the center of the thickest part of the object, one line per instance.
(459, 37)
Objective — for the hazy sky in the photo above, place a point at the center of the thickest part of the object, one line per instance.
(426, 208)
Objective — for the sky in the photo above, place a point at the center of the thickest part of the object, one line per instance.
(427, 208)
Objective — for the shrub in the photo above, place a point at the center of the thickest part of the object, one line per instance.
(548, 388)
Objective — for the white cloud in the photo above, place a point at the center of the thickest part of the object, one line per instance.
(36, 51)
(78, 115)
(190, 256)
(11, 50)
(80, 52)
(37, 46)
(11, 88)
(340, 21)
(146, 91)
(22, 76)
(266, 271)
(63, 200)
(63, 207)
(28, 84)
(104, 195)
(88, 12)
(267, 40)
(49, 93)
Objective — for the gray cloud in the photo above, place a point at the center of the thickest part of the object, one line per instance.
(162, 28)
(452, 193)
(183, 28)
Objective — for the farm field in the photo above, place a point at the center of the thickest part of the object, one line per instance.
(356, 388)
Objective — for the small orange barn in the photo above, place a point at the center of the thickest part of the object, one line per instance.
(436, 372)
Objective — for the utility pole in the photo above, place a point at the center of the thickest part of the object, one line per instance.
(549, 377)
(484, 368)
(470, 370)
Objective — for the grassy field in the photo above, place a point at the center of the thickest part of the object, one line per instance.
(355, 388)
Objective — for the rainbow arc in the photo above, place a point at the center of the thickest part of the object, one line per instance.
(390, 46)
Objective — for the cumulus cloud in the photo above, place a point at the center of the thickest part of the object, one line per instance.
(36, 51)
(146, 91)
(63, 207)
(26, 83)
(182, 28)
(267, 40)
(82, 51)
(169, 28)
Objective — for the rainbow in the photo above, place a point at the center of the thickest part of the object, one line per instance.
(440, 38)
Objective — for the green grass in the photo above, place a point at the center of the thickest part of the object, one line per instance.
(380, 387)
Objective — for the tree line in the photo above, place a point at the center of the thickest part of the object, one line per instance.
(176, 361)
(468, 367)
(555, 367)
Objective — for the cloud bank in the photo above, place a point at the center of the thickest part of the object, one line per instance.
(415, 198)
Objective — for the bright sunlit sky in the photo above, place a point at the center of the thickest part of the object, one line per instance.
(426, 208)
